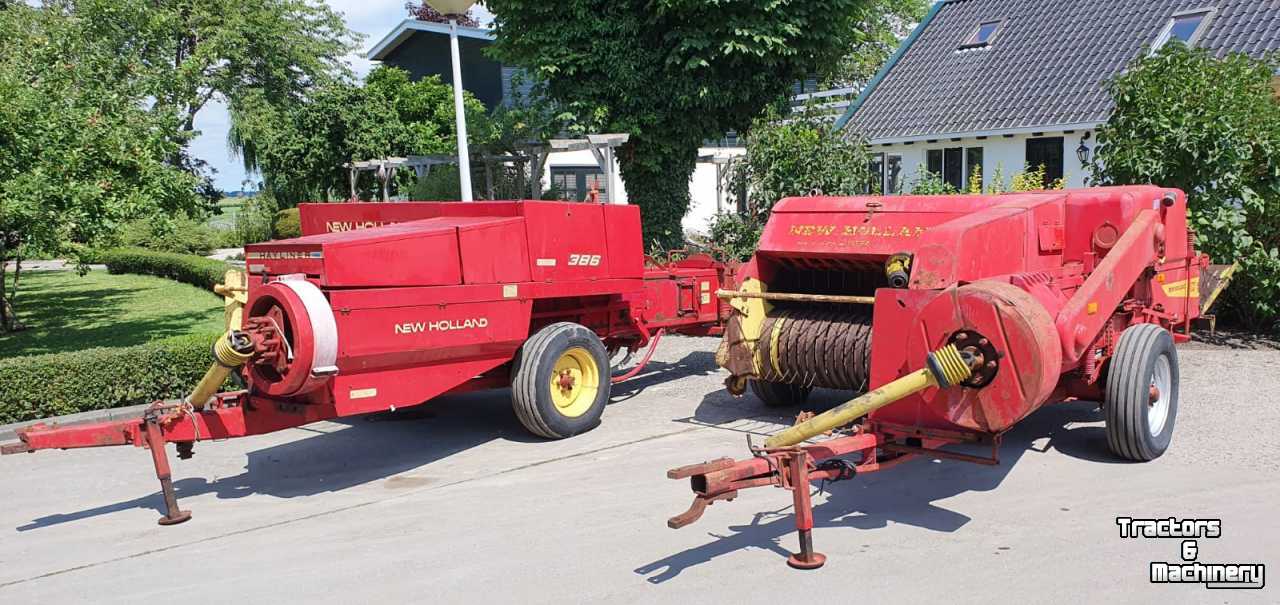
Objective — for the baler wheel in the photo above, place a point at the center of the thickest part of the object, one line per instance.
(1142, 393)
(561, 385)
(780, 394)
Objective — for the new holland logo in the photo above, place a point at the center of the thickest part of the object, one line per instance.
(443, 325)
(341, 226)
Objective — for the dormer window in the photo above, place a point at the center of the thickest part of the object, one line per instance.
(1187, 27)
(984, 35)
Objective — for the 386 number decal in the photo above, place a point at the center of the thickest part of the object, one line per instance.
(584, 260)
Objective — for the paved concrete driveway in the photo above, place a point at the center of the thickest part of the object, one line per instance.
(454, 503)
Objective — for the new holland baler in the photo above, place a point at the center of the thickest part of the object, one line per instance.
(956, 316)
(381, 306)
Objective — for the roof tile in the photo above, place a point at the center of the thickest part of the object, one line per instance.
(1046, 66)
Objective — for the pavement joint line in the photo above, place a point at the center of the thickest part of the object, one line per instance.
(357, 505)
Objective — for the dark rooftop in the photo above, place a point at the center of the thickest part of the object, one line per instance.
(1045, 66)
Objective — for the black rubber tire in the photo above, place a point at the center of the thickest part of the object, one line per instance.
(1128, 401)
(531, 381)
(780, 394)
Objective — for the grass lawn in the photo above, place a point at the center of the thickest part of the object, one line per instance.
(66, 312)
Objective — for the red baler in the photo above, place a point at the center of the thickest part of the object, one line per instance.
(958, 316)
(382, 306)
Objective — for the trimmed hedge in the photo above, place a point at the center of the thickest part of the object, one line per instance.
(40, 386)
(186, 268)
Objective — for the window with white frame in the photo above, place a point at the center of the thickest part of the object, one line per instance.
(875, 185)
(886, 174)
(576, 182)
(954, 165)
(893, 174)
(983, 36)
(1187, 27)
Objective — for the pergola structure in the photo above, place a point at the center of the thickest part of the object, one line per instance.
(600, 145)
(533, 153)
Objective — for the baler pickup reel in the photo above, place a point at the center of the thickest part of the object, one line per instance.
(784, 462)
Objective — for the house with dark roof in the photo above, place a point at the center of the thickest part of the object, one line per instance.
(1015, 84)
(422, 49)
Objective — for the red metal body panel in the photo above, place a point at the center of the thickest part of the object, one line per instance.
(1078, 266)
(496, 250)
(389, 335)
(428, 296)
(623, 236)
(344, 216)
(346, 259)
(567, 242)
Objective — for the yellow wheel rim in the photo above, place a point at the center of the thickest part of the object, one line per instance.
(575, 382)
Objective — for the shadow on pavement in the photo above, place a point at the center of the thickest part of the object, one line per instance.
(341, 454)
(905, 494)
(354, 451)
(697, 363)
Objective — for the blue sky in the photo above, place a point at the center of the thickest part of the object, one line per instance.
(372, 18)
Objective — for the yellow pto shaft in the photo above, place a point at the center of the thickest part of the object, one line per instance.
(231, 351)
(945, 367)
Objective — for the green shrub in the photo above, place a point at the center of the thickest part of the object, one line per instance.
(1033, 179)
(1220, 144)
(736, 235)
(788, 157)
(252, 223)
(287, 224)
(440, 185)
(929, 183)
(795, 156)
(83, 253)
(40, 386)
(179, 234)
(188, 269)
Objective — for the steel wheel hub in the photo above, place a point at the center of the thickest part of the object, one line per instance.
(575, 382)
(1161, 388)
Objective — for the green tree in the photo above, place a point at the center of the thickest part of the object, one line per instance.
(196, 51)
(796, 156)
(79, 154)
(875, 33)
(800, 155)
(301, 149)
(1210, 127)
(671, 73)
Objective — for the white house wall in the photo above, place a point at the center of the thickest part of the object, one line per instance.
(702, 193)
(702, 188)
(1009, 154)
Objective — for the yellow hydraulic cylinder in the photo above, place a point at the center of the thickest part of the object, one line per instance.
(945, 367)
(231, 351)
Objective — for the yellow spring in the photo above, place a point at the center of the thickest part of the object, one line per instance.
(226, 355)
(954, 368)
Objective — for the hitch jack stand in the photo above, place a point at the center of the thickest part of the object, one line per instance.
(806, 558)
(155, 441)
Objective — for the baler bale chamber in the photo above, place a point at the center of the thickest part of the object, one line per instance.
(954, 317)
